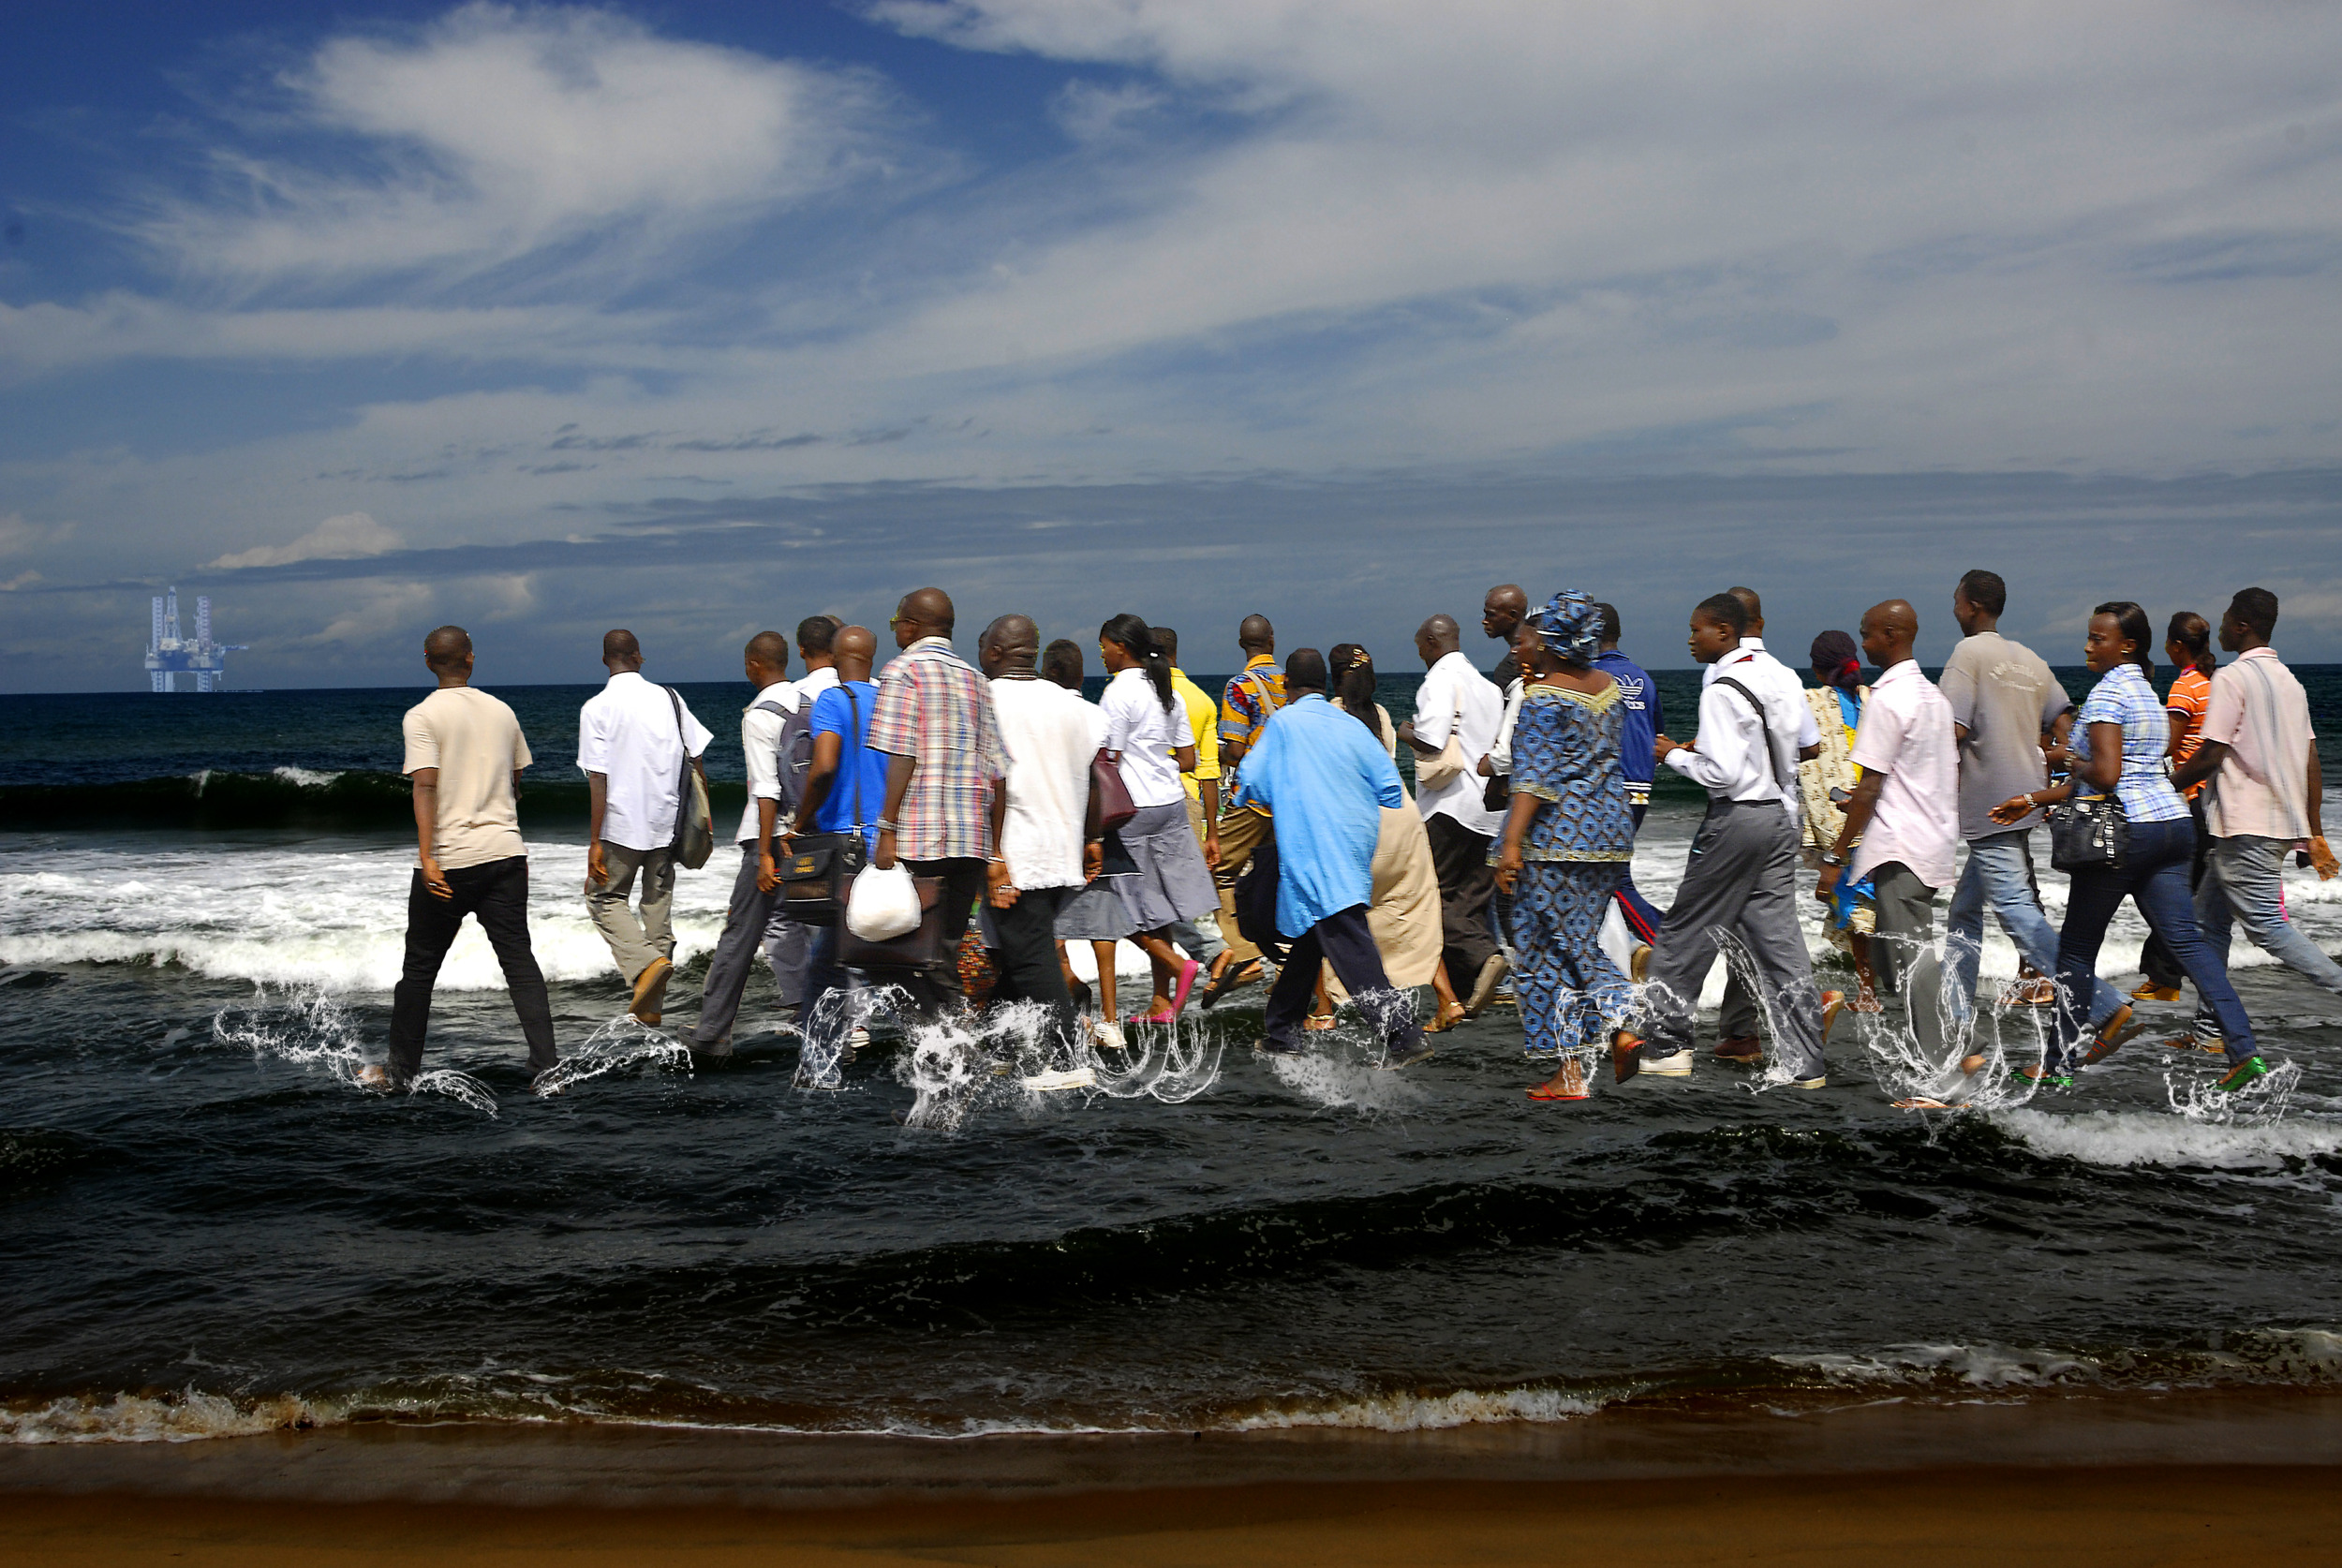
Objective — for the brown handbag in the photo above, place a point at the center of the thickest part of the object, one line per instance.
(919, 949)
(1114, 797)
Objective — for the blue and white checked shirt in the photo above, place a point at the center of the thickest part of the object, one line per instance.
(2124, 696)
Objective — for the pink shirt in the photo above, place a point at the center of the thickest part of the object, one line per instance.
(2259, 711)
(1906, 735)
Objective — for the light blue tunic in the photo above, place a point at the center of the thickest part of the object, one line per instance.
(1325, 779)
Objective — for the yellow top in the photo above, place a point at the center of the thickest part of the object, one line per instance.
(1202, 714)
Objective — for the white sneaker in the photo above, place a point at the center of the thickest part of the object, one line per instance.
(1814, 1083)
(1108, 1035)
(857, 1039)
(1677, 1066)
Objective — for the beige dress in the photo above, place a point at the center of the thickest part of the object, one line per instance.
(1404, 909)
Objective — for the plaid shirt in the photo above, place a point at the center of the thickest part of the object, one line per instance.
(934, 708)
(2124, 696)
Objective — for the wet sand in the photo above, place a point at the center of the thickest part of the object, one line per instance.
(1944, 1515)
(2185, 1479)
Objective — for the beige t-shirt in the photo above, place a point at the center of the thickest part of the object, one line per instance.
(475, 744)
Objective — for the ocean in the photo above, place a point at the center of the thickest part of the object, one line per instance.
(208, 1230)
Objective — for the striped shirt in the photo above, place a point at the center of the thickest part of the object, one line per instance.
(2124, 696)
(933, 706)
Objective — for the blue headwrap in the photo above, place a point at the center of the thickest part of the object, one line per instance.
(1570, 627)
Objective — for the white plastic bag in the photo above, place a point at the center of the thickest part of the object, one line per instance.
(884, 905)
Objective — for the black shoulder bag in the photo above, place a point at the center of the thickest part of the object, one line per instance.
(820, 870)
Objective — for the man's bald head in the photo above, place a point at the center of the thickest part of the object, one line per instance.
(1755, 606)
(447, 647)
(620, 651)
(1888, 629)
(1256, 636)
(851, 652)
(931, 607)
(1436, 638)
(1011, 645)
(1502, 610)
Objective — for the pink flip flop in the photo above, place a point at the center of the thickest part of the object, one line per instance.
(1187, 983)
(1178, 998)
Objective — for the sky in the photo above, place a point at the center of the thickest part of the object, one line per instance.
(699, 318)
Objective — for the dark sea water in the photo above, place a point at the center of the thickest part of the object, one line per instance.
(206, 1228)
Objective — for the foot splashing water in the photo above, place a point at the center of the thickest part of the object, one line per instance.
(309, 1028)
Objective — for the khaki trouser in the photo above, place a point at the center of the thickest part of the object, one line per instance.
(635, 943)
(1241, 830)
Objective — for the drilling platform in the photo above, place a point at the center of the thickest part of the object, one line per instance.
(169, 656)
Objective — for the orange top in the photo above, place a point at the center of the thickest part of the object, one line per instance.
(2189, 693)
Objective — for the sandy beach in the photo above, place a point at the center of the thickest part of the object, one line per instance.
(2159, 1515)
(2203, 1478)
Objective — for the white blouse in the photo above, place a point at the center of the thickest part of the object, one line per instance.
(1138, 727)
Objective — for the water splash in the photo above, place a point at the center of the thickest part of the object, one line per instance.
(623, 1041)
(2195, 1094)
(825, 1042)
(308, 1029)
(460, 1087)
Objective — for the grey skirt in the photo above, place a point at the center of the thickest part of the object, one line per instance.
(1094, 915)
(1171, 882)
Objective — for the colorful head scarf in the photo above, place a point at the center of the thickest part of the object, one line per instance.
(1570, 627)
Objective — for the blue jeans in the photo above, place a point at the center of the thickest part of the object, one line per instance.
(1997, 878)
(2154, 875)
(2241, 875)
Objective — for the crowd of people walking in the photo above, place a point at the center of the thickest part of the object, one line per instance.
(1265, 835)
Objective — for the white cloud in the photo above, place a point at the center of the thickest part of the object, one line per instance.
(497, 131)
(352, 536)
(22, 579)
(1091, 112)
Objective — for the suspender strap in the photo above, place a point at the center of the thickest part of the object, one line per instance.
(1764, 731)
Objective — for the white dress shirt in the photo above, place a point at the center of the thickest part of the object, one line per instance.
(1144, 732)
(1906, 735)
(760, 742)
(1781, 688)
(1050, 735)
(1738, 752)
(1455, 698)
(626, 732)
(1501, 754)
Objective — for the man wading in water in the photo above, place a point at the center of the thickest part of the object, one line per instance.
(464, 753)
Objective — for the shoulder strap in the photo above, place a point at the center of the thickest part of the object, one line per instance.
(1764, 729)
(854, 709)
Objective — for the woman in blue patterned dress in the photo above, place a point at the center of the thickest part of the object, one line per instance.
(1568, 843)
(2120, 739)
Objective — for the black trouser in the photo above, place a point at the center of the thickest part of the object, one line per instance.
(1026, 956)
(745, 920)
(2157, 960)
(1344, 940)
(1460, 858)
(497, 892)
(963, 884)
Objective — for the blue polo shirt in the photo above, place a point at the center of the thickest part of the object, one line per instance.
(1326, 779)
(833, 714)
(1639, 742)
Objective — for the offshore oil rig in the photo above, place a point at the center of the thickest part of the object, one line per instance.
(171, 655)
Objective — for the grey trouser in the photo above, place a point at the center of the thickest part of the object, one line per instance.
(789, 953)
(744, 921)
(1905, 937)
(1742, 877)
(635, 943)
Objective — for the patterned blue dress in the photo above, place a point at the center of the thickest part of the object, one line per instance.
(1575, 855)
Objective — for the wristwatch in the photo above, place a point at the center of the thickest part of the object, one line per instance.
(1832, 857)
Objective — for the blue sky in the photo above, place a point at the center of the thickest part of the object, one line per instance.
(699, 318)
